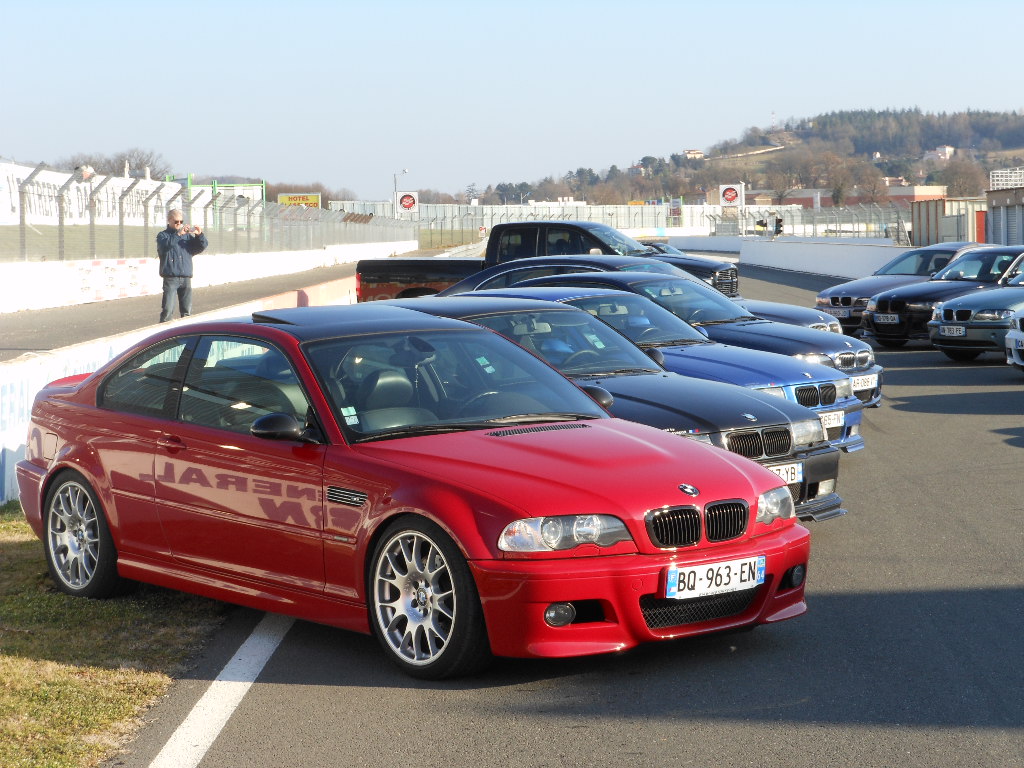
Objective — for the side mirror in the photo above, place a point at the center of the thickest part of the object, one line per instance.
(277, 426)
(656, 355)
(599, 395)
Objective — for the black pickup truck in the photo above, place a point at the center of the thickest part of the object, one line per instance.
(402, 278)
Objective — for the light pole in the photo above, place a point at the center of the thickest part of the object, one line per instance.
(394, 200)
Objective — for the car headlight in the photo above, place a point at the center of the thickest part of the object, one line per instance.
(993, 315)
(844, 387)
(835, 327)
(816, 357)
(775, 504)
(937, 312)
(823, 301)
(775, 391)
(926, 306)
(700, 437)
(871, 305)
(808, 432)
(549, 534)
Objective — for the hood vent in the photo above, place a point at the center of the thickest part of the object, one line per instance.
(541, 428)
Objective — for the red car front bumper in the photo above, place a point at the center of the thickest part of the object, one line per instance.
(624, 601)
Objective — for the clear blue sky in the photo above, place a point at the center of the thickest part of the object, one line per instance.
(478, 92)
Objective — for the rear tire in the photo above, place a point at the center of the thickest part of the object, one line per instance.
(424, 607)
(80, 551)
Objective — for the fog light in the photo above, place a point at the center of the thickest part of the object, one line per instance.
(794, 577)
(854, 430)
(559, 614)
(826, 487)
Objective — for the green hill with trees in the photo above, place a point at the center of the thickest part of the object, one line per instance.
(836, 151)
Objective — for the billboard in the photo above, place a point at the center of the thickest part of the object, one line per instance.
(408, 202)
(731, 195)
(308, 199)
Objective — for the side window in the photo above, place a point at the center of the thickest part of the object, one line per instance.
(568, 241)
(149, 383)
(517, 244)
(231, 382)
(516, 276)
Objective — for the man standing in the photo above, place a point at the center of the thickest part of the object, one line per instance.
(176, 246)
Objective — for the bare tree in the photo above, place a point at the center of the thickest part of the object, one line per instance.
(140, 159)
(963, 178)
(113, 165)
(781, 179)
(839, 175)
(283, 188)
(870, 182)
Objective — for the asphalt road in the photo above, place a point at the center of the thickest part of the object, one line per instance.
(44, 329)
(910, 654)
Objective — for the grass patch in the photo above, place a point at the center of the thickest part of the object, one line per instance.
(448, 238)
(76, 674)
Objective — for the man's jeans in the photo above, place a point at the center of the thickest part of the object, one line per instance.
(182, 288)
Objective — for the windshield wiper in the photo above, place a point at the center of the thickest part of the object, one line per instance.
(530, 418)
(672, 343)
(613, 372)
(423, 429)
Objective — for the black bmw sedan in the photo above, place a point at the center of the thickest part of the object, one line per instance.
(784, 437)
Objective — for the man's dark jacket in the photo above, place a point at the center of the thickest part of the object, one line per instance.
(176, 252)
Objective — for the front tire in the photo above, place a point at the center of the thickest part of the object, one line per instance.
(424, 607)
(80, 552)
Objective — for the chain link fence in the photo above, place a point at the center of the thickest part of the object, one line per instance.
(449, 225)
(859, 221)
(52, 216)
(445, 226)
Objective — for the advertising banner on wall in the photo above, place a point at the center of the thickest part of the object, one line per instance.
(308, 199)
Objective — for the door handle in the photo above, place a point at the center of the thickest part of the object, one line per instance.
(170, 443)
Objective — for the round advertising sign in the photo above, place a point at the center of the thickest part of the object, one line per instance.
(730, 194)
(407, 201)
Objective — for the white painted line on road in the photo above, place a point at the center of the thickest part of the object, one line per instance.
(189, 743)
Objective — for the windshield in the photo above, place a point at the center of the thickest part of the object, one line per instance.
(696, 303)
(661, 268)
(620, 243)
(574, 342)
(640, 320)
(922, 261)
(979, 266)
(671, 250)
(394, 384)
